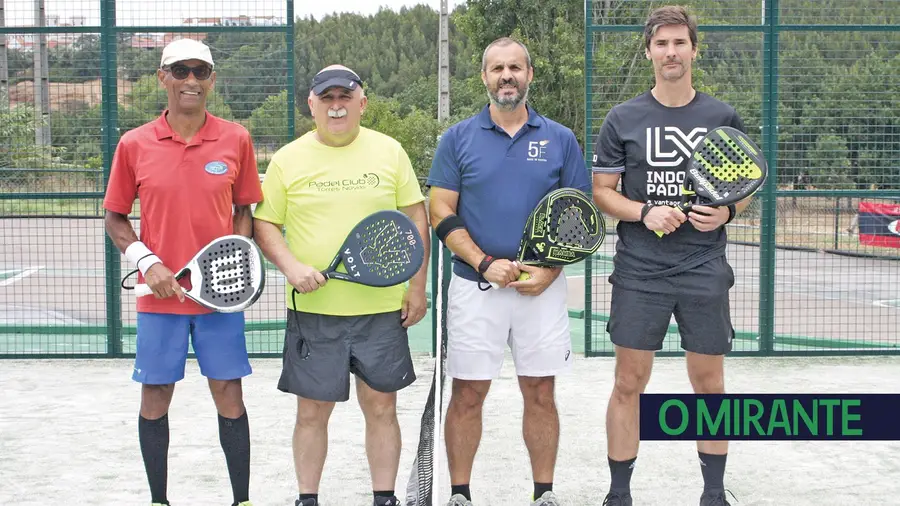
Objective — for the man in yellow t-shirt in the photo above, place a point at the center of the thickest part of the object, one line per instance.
(318, 188)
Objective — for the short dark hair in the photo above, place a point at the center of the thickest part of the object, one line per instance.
(668, 16)
(504, 41)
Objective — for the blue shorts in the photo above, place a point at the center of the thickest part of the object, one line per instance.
(162, 346)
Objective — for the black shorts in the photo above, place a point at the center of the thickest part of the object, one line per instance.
(320, 352)
(639, 320)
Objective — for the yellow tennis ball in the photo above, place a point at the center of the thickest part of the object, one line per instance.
(524, 276)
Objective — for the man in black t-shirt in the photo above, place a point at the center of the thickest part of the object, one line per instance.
(646, 143)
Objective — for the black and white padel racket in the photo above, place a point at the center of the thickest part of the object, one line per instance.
(383, 249)
(226, 276)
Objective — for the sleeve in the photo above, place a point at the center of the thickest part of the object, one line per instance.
(574, 174)
(736, 122)
(445, 171)
(121, 191)
(609, 153)
(408, 190)
(274, 196)
(247, 188)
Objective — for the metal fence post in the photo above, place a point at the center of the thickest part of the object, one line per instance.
(110, 136)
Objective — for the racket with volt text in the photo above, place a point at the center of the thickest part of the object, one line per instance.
(564, 228)
(384, 249)
(725, 168)
(227, 275)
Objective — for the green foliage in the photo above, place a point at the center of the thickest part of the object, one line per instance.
(269, 122)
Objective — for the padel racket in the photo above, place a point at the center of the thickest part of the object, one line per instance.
(725, 168)
(564, 228)
(226, 276)
(384, 249)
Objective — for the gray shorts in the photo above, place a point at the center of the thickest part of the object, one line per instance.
(639, 320)
(320, 352)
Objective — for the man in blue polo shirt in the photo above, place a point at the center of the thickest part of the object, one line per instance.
(488, 174)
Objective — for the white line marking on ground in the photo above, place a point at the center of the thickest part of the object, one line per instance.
(22, 275)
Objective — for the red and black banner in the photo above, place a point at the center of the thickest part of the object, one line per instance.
(879, 224)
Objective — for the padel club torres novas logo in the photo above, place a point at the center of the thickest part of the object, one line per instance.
(363, 182)
(668, 147)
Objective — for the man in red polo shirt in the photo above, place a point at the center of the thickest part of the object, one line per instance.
(189, 168)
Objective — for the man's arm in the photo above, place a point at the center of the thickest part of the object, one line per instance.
(158, 277)
(243, 221)
(269, 239)
(442, 204)
(415, 305)
(416, 213)
(613, 203)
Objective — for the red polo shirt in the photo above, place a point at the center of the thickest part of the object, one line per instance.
(186, 191)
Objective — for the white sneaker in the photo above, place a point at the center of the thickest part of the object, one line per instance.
(548, 499)
(459, 500)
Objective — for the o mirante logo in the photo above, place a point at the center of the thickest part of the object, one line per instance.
(870, 417)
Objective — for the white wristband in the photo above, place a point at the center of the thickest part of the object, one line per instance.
(141, 256)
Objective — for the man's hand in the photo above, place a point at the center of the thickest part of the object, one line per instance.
(414, 306)
(305, 279)
(162, 281)
(664, 218)
(541, 278)
(502, 272)
(707, 219)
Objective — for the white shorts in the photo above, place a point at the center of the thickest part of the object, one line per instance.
(480, 324)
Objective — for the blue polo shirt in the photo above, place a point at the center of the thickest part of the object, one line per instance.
(500, 179)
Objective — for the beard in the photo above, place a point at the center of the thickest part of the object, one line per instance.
(508, 103)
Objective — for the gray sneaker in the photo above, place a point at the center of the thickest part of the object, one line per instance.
(548, 499)
(715, 498)
(459, 500)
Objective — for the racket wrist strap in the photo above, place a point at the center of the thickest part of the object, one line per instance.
(646, 209)
(732, 212)
(485, 263)
(140, 255)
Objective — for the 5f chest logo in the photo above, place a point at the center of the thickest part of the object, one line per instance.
(669, 146)
(537, 151)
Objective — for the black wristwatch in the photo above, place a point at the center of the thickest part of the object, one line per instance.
(646, 209)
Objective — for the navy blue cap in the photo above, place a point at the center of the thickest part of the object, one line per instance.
(335, 77)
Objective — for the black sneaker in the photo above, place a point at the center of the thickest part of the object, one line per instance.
(616, 499)
(715, 498)
(306, 502)
(387, 501)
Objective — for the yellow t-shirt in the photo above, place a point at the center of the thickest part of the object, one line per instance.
(319, 193)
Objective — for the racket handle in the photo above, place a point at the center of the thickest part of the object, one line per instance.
(142, 289)
(524, 276)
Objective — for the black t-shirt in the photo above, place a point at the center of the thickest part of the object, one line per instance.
(650, 145)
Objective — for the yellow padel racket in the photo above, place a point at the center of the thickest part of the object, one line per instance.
(725, 168)
(564, 228)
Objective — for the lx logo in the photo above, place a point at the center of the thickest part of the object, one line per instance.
(683, 143)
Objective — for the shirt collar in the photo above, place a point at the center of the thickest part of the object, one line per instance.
(208, 132)
(485, 121)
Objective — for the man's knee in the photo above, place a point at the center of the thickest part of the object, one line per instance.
(706, 373)
(632, 373)
(228, 396)
(468, 395)
(378, 407)
(538, 392)
(313, 414)
(155, 400)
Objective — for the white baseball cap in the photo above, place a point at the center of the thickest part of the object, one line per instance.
(185, 49)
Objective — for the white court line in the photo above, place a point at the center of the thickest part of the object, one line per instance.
(892, 303)
(22, 275)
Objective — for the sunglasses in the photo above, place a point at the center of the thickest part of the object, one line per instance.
(181, 72)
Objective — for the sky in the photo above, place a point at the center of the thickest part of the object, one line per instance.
(136, 12)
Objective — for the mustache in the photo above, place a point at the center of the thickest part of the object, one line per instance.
(340, 113)
(504, 82)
